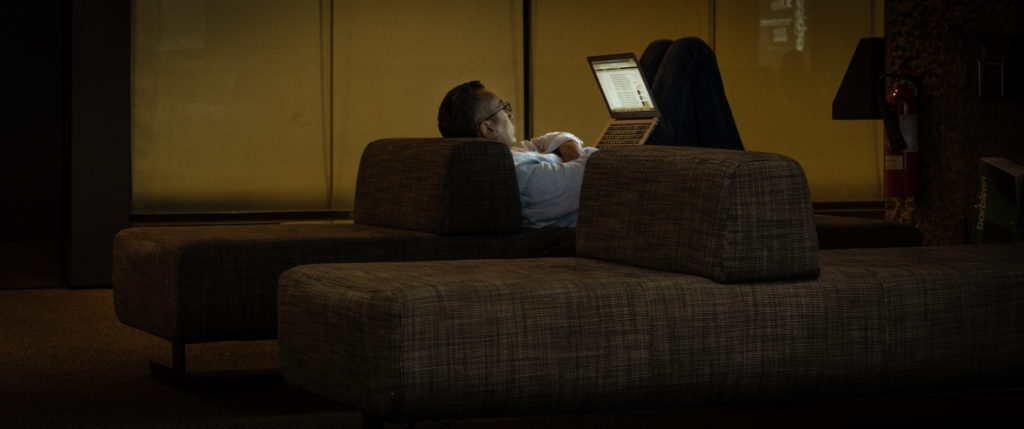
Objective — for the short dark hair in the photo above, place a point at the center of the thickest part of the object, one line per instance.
(457, 115)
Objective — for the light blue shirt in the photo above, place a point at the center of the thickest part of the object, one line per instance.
(549, 188)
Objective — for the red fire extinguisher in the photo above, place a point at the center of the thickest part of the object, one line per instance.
(902, 137)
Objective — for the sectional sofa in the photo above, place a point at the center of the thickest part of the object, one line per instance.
(697, 281)
(416, 199)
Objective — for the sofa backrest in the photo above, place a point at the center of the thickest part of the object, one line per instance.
(726, 215)
(442, 186)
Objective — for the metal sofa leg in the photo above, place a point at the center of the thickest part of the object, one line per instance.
(176, 372)
(177, 375)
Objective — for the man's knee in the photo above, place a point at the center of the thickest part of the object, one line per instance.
(693, 46)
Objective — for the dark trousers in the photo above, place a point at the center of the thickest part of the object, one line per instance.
(687, 87)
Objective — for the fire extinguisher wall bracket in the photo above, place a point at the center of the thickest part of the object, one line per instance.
(890, 119)
(901, 124)
(892, 131)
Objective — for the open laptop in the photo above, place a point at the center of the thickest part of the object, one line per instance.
(628, 98)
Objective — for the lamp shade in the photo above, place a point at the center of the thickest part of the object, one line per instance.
(856, 98)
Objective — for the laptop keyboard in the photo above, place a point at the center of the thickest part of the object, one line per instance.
(624, 133)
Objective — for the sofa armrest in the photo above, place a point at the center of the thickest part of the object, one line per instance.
(726, 215)
(441, 186)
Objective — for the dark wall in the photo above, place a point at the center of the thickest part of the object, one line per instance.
(943, 40)
(31, 160)
(65, 165)
(98, 154)
(31, 165)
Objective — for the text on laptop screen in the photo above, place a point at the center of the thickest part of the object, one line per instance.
(623, 86)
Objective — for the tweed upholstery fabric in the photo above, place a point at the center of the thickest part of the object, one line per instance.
(470, 338)
(722, 214)
(954, 315)
(217, 283)
(442, 186)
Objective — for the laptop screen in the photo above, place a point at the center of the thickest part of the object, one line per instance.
(623, 86)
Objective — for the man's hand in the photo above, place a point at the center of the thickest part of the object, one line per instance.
(570, 151)
(529, 146)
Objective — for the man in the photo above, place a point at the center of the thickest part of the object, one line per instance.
(687, 87)
(549, 168)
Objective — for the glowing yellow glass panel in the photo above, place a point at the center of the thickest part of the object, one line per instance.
(782, 62)
(227, 106)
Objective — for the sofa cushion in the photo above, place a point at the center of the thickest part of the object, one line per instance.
(444, 339)
(726, 215)
(441, 186)
(219, 282)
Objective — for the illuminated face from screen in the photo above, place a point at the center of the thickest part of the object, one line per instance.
(497, 119)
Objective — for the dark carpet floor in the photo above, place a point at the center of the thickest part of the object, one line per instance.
(65, 361)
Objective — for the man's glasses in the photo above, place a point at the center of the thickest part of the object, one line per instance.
(504, 106)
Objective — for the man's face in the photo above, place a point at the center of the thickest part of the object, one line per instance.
(494, 121)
